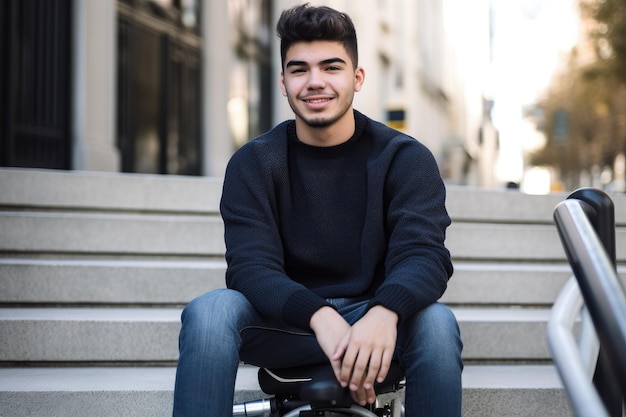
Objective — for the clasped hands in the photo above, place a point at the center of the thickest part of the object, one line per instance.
(360, 354)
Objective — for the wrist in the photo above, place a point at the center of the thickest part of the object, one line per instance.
(386, 313)
(321, 317)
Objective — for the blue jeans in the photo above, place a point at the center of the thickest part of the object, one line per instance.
(221, 328)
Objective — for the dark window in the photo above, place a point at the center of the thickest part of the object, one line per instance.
(35, 94)
(159, 85)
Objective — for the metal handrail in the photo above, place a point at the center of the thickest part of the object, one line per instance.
(590, 250)
(575, 366)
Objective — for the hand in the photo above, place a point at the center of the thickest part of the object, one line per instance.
(366, 351)
(330, 329)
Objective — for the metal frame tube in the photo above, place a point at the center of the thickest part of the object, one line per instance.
(586, 226)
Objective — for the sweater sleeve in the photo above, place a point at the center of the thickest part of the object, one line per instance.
(417, 264)
(254, 249)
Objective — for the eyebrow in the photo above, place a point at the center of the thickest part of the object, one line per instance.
(324, 62)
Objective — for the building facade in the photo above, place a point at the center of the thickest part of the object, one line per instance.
(175, 86)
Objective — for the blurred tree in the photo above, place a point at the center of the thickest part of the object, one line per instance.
(584, 110)
(607, 22)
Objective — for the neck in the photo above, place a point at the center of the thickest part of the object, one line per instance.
(335, 134)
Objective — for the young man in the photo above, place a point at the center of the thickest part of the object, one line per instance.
(334, 229)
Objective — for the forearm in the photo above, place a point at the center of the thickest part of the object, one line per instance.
(417, 264)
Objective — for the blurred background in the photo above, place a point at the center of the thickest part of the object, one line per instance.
(510, 94)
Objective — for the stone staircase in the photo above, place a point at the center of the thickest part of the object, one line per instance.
(95, 269)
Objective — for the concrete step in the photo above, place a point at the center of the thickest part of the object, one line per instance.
(169, 193)
(111, 234)
(107, 281)
(89, 334)
(39, 281)
(138, 335)
(508, 242)
(488, 391)
(470, 204)
(89, 191)
(506, 283)
(509, 283)
(140, 192)
(197, 235)
(504, 334)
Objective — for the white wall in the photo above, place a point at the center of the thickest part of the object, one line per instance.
(218, 61)
(94, 102)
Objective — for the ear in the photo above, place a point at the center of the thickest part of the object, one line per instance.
(359, 78)
(283, 90)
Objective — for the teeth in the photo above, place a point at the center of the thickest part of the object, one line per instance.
(319, 100)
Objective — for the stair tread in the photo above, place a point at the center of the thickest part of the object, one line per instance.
(114, 263)
(109, 191)
(150, 334)
(173, 314)
(162, 378)
(495, 314)
(92, 314)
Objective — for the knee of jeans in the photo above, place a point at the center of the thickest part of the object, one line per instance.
(443, 317)
(436, 329)
(217, 306)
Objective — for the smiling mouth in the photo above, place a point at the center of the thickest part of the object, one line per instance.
(317, 100)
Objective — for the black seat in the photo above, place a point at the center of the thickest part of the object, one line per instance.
(316, 384)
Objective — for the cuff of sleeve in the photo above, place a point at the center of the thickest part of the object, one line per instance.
(301, 306)
(395, 298)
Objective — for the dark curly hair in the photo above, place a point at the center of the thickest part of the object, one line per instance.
(308, 23)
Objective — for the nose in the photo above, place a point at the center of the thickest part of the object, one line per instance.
(316, 80)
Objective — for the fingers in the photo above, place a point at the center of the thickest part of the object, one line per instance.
(336, 362)
(363, 371)
(341, 348)
(372, 370)
(347, 367)
(363, 396)
(367, 352)
(384, 366)
(367, 368)
(359, 370)
(336, 365)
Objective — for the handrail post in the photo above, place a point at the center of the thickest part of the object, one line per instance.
(602, 218)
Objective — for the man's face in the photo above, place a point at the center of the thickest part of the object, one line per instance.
(319, 82)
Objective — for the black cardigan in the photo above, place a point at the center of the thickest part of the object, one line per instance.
(392, 251)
